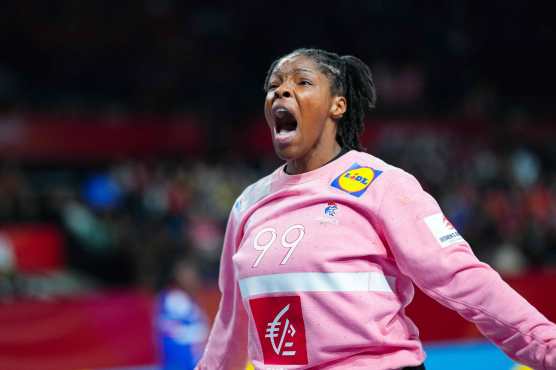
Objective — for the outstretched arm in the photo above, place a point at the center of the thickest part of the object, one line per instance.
(430, 251)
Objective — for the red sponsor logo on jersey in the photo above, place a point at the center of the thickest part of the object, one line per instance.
(281, 330)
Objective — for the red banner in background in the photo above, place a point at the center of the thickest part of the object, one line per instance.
(89, 138)
(33, 248)
(95, 331)
(114, 329)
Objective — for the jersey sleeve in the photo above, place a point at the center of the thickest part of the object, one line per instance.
(430, 251)
(227, 344)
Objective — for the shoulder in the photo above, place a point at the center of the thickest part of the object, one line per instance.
(373, 172)
(253, 193)
(377, 164)
(398, 190)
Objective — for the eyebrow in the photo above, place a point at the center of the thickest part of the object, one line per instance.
(296, 70)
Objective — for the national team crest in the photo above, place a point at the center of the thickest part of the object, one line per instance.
(281, 329)
(331, 208)
(356, 179)
(329, 214)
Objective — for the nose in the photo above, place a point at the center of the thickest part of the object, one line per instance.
(283, 91)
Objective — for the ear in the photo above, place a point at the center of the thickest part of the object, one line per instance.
(338, 107)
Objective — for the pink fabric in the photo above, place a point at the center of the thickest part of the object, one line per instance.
(330, 223)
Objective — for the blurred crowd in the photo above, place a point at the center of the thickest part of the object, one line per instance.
(125, 221)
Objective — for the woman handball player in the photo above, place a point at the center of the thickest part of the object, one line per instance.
(320, 257)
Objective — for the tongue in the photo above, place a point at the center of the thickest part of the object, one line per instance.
(287, 128)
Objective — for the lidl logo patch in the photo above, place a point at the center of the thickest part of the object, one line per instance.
(356, 179)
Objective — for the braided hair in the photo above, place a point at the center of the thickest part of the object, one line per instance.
(349, 77)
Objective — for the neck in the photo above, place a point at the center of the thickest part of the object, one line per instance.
(312, 160)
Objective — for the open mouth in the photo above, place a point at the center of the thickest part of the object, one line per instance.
(285, 121)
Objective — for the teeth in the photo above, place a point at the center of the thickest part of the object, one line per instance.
(281, 112)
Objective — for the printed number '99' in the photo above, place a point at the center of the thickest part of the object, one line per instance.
(285, 240)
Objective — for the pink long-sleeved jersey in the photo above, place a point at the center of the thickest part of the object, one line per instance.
(317, 270)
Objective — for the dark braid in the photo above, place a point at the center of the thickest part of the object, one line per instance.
(349, 77)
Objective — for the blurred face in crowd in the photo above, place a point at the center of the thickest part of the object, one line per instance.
(302, 113)
(187, 277)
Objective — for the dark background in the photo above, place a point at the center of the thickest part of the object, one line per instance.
(211, 58)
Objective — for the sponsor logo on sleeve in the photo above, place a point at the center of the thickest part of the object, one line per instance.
(443, 230)
(281, 329)
(356, 179)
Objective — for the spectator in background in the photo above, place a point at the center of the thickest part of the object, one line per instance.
(181, 325)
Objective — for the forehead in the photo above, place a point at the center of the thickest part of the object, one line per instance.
(296, 63)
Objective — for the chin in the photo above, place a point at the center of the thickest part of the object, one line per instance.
(287, 153)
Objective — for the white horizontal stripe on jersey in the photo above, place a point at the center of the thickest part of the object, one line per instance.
(374, 281)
